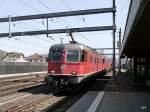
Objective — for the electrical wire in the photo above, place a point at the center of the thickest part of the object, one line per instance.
(45, 5)
(11, 11)
(79, 17)
(47, 8)
(123, 7)
(36, 36)
(17, 13)
(28, 5)
(24, 23)
(66, 4)
(14, 13)
(61, 18)
(53, 11)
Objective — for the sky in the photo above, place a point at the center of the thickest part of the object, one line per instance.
(40, 43)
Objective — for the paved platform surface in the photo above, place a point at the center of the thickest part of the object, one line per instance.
(119, 96)
(125, 102)
(86, 102)
(22, 74)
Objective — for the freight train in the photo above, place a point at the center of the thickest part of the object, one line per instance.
(71, 63)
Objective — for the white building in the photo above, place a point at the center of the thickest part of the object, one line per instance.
(14, 57)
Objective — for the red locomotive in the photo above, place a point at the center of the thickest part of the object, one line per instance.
(71, 63)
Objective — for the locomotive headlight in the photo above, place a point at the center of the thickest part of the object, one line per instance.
(74, 73)
(52, 72)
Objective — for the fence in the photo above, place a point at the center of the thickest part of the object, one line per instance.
(22, 67)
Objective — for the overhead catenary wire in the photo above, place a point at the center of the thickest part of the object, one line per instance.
(83, 19)
(2, 12)
(123, 7)
(15, 13)
(79, 17)
(42, 3)
(119, 13)
(30, 6)
(12, 13)
(6, 9)
(65, 22)
(36, 37)
(15, 42)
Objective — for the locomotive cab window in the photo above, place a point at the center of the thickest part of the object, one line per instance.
(56, 54)
(72, 55)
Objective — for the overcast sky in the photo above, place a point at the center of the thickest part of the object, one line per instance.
(41, 44)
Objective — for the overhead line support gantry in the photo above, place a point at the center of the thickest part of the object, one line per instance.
(65, 14)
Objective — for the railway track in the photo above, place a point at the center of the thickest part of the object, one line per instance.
(38, 104)
(94, 85)
(10, 86)
(12, 90)
(36, 99)
(42, 99)
(12, 80)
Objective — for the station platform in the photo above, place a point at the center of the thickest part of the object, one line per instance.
(22, 74)
(118, 96)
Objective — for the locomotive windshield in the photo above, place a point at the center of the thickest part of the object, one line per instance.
(56, 54)
(72, 55)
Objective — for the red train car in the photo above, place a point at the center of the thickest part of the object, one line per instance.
(71, 63)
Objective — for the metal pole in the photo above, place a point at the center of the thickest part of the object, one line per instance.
(114, 30)
(119, 51)
(61, 40)
(47, 26)
(9, 26)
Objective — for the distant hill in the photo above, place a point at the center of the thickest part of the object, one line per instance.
(2, 51)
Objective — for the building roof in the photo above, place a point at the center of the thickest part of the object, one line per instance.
(17, 54)
(36, 57)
